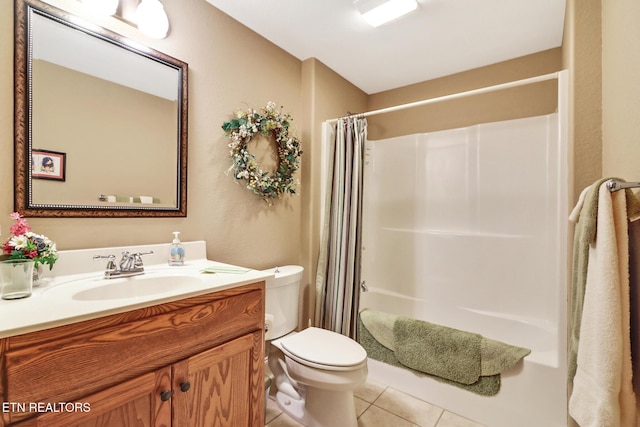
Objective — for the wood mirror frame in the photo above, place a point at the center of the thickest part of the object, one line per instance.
(25, 11)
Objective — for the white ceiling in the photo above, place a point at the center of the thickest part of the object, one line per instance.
(442, 37)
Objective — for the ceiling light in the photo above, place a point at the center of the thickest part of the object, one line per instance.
(102, 7)
(152, 19)
(378, 12)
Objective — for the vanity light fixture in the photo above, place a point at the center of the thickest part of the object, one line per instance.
(151, 18)
(102, 7)
(378, 12)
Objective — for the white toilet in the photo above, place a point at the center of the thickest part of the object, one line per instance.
(315, 370)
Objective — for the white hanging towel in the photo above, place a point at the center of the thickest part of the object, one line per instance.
(603, 393)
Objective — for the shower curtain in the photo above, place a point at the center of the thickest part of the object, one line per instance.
(338, 272)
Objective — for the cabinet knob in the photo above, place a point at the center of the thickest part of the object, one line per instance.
(166, 395)
(185, 386)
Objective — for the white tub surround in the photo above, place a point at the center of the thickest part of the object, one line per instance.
(467, 228)
(75, 290)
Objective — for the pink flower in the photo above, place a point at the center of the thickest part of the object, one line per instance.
(20, 226)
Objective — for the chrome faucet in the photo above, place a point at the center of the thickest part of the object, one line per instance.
(129, 265)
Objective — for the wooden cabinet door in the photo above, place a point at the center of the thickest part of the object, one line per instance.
(136, 402)
(224, 386)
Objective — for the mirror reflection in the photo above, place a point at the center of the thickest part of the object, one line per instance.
(106, 134)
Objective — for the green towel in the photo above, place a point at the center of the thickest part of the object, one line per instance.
(485, 386)
(456, 357)
(584, 233)
(498, 357)
(438, 350)
(450, 353)
(380, 325)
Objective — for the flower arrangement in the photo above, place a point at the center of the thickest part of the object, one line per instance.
(25, 244)
(271, 123)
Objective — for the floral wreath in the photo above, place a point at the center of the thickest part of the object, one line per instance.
(271, 123)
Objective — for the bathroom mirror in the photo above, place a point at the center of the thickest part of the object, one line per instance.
(100, 121)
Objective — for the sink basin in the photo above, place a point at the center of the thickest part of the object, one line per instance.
(135, 286)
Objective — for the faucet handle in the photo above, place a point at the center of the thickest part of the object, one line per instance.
(111, 260)
(138, 257)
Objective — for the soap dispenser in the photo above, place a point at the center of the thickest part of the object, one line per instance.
(176, 254)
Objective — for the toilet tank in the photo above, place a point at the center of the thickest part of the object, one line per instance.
(282, 300)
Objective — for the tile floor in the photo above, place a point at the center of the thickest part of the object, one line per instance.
(381, 406)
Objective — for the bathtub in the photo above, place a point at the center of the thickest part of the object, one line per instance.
(532, 394)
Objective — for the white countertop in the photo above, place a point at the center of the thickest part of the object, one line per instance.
(56, 302)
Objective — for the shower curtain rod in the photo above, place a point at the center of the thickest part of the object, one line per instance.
(478, 91)
(615, 185)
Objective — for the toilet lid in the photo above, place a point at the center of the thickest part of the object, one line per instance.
(323, 347)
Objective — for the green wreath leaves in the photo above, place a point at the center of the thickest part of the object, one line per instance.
(270, 123)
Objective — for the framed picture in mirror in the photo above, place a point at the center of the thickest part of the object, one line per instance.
(47, 164)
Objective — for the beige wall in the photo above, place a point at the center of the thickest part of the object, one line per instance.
(507, 104)
(582, 57)
(621, 89)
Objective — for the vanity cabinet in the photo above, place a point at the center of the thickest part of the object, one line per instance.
(133, 403)
(193, 362)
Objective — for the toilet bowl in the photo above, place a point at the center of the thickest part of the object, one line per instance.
(315, 370)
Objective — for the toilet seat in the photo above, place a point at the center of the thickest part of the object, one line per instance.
(323, 349)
